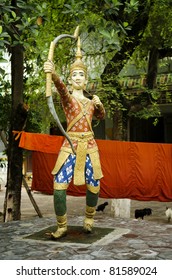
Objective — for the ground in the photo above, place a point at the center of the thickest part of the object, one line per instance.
(76, 206)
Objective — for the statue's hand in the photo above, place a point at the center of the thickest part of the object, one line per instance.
(96, 101)
(49, 67)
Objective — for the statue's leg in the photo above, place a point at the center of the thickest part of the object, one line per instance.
(91, 202)
(93, 188)
(60, 210)
(61, 183)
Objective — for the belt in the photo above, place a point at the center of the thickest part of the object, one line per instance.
(81, 136)
(79, 170)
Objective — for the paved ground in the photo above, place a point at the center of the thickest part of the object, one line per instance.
(130, 239)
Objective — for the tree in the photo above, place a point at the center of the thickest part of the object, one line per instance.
(155, 45)
(13, 23)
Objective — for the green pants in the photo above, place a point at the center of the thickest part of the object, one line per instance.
(60, 201)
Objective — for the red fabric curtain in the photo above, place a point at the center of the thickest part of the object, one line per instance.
(141, 171)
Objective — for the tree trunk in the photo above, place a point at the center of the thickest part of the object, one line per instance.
(117, 130)
(152, 68)
(15, 155)
(18, 119)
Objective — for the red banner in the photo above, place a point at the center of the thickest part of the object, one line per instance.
(140, 171)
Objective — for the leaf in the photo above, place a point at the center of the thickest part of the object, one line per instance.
(125, 24)
(13, 14)
(20, 26)
(105, 34)
(5, 34)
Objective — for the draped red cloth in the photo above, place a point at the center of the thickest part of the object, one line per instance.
(140, 171)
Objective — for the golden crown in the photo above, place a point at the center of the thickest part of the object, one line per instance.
(78, 64)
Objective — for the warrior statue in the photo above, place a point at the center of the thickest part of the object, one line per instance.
(80, 162)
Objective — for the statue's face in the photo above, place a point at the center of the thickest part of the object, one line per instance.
(78, 79)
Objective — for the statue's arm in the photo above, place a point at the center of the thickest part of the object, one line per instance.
(99, 112)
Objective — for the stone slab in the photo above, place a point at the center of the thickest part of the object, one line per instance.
(77, 235)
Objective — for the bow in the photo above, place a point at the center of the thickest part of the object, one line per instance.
(49, 81)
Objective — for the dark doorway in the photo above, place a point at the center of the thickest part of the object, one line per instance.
(145, 130)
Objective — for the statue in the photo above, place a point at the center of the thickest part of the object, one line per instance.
(81, 161)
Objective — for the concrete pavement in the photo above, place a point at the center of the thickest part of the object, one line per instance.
(129, 239)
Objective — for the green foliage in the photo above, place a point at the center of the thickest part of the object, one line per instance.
(132, 6)
(5, 99)
(5, 111)
(159, 26)
(112, 96)
(146, 112)
(18, 23)
(18, 26)
(106, 26)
